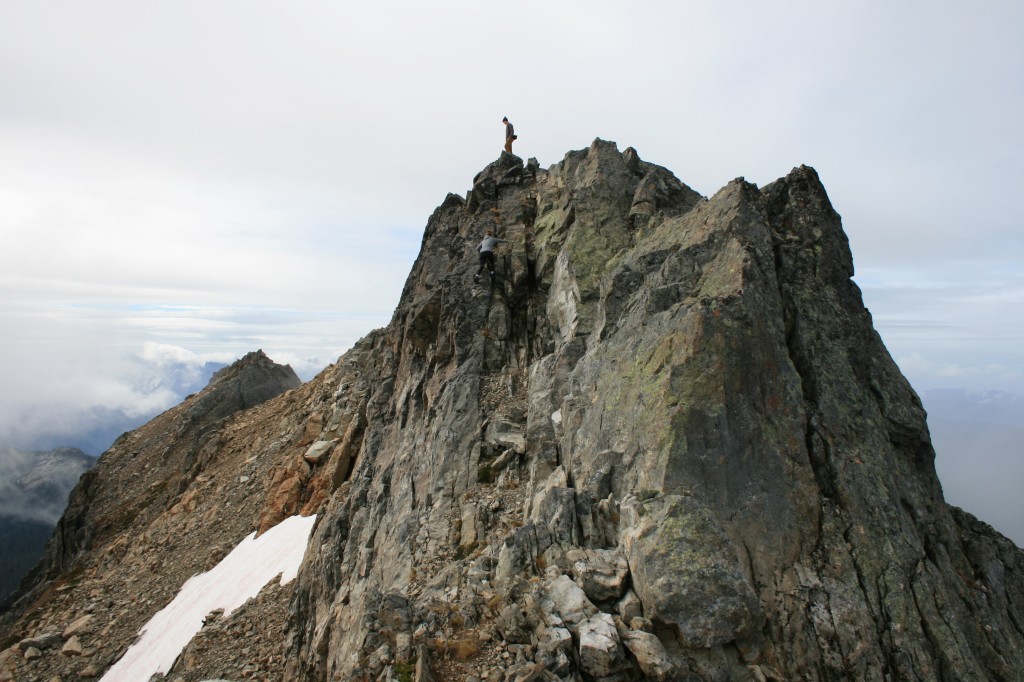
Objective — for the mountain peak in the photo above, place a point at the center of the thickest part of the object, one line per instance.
(255, 362)
(662, 441)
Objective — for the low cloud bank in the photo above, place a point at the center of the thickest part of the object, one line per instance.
(979, 454)
(34, 486)
(67, 400)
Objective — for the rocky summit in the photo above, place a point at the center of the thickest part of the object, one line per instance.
(663, 443)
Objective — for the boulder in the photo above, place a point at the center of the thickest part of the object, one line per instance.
(72, 647)
(470, 514)
(650, 654)
(629, 606)
(317, 450)
(43, 641)
(600, 649)
(685, 571)
(554, 508)
(78, 626)
(570, 601)
(506, 435)
(602, 573)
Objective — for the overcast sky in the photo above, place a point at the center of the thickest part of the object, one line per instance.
(194, 180)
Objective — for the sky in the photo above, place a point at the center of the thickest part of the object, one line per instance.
(186, 182)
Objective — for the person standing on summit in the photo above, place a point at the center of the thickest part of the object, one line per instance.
(510, 134)
(486, 250)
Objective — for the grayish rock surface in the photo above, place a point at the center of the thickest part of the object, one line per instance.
(687, 573)
(602, 573)
(725, 418)
(600, 649)
(678, 401)
(650, 654)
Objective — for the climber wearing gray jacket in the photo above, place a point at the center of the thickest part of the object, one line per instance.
(486, 250)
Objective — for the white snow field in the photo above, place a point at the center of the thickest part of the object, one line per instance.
(238, 577)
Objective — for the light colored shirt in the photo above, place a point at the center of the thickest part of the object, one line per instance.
(489, 243)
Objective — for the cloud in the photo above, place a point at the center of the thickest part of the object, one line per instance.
(34, 486)
(977, 439)
(82, 389)
(951, 322)
(941, 366)
(915, 363)
(82, 375)
(163, 354)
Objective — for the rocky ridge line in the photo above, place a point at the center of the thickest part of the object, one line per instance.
(665, 444)
(165, 502)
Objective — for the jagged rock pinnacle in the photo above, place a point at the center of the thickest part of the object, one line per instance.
(663, 443)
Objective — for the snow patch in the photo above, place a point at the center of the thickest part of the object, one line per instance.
(238, 577)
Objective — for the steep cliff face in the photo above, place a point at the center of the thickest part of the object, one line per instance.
(679, 402)
(664, 443)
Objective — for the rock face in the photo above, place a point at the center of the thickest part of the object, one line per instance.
(664, 443)
(701, 392)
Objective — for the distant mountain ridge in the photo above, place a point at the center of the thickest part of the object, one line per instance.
(34, 489)
(35, 485)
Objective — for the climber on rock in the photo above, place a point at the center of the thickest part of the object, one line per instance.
(510, 134)
(486, 249)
